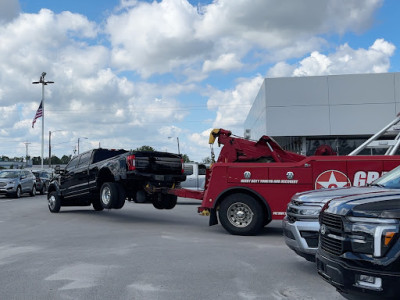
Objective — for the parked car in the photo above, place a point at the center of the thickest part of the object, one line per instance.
(16, 182)
(43, 179)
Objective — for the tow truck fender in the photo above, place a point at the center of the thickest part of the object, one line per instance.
(238, 189)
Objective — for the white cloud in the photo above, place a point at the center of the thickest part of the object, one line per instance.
(161, 37)
(375, 59)
(225, 62)
(233, 105)
(9, 9)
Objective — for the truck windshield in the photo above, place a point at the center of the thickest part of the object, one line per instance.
(389, 180)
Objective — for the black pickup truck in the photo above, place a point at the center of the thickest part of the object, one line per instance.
(359, 250)
(105, 178)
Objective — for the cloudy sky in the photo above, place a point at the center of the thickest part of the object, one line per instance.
(129, 73)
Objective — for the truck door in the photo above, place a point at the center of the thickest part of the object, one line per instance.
(80, 180)
(285, 180)
(66, 181)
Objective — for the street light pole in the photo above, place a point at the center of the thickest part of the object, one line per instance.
(78, 141)
(177, 140)
(43, 82)
(50, 144)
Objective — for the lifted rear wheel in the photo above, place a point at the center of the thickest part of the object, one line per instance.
(165, 201)
(241, 214)
(169, 201)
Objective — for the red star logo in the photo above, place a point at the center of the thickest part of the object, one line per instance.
(331, 179)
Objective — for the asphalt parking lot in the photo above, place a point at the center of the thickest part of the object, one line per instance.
(139, 252)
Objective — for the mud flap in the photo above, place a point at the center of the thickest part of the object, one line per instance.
(213, 217)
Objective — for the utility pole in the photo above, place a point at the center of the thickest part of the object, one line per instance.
(43, 82)
(49, 149)
(26, 157)
(78, 141)
(50, 132)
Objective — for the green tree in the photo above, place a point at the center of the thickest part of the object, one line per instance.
(185, 158)
(145, 148)
(36, 160)
(55, 160)
(65, 159)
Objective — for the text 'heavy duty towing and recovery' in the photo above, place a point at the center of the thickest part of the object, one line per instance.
(252, 182)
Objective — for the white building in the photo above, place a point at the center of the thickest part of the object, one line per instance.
(302, 113)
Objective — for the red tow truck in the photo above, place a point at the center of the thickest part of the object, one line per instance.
(252, 182)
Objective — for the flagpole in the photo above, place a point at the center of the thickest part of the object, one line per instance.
(43, 82)
(42, 125)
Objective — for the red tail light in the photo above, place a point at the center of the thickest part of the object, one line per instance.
(130, 161)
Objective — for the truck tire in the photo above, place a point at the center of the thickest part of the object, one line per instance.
(96, 204)
(108, 195)
(157, 203)
(121, 197)
(169, 201)
(241, 214)
(54, 202)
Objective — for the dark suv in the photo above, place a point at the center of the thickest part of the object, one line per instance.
(43, 179)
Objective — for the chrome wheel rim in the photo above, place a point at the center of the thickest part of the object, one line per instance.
(52, 201)
(106, 195)
(239, 214)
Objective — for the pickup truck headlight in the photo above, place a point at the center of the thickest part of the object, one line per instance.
(372, 235)
(310, 211)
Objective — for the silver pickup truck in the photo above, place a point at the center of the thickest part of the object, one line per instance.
(195, 176)
(301, 226)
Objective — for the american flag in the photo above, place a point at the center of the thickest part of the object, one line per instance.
(39, 113)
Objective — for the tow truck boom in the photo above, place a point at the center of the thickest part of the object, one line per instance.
(237, 149)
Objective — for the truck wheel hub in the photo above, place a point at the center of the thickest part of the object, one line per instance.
(52, 200)
(106, 196)
(240, 214)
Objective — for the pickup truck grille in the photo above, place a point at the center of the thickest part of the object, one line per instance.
(331, 245)
(332, 221)
(331, 233)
